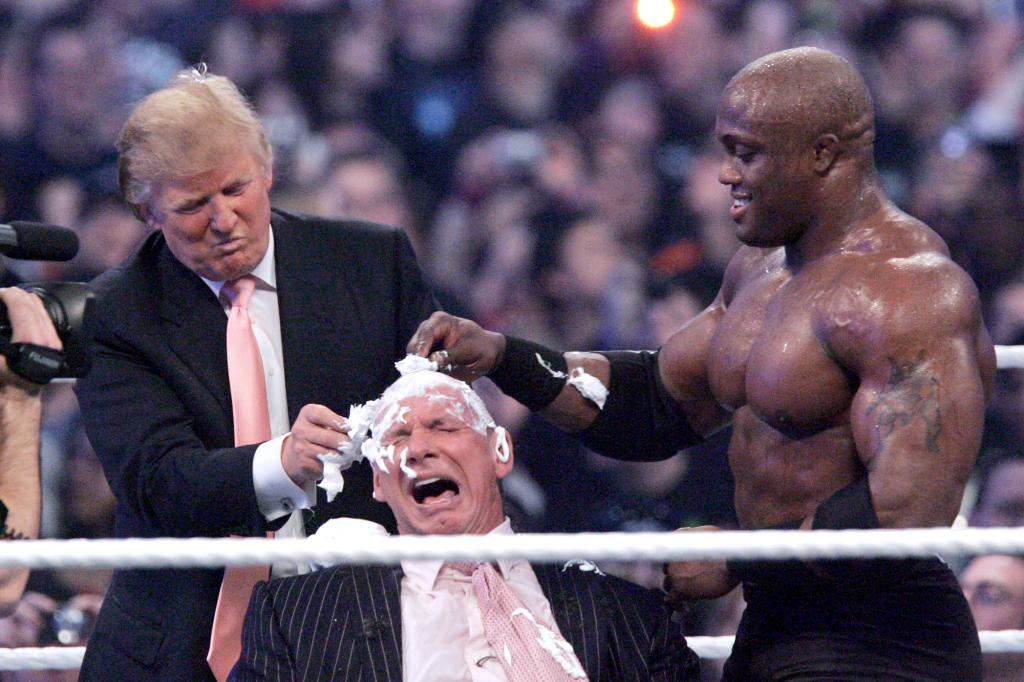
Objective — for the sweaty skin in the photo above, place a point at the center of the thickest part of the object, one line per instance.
(843, 340)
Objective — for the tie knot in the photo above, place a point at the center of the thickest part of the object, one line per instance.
(462, 567)
(239, 291)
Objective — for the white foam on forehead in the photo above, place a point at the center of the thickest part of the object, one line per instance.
(426, 383)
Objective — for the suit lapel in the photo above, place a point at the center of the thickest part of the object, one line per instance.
(302, 338)
(317, 307)
(194, 325)
(324, 326)
(577, 610)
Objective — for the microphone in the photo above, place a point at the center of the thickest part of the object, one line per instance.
(37, 241)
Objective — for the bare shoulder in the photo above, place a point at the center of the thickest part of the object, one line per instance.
(898, 289)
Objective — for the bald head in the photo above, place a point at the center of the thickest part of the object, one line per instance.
(809, 90)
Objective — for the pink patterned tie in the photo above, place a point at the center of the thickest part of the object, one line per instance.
(528, 651)
(252, 425)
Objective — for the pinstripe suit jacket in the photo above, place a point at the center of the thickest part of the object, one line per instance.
(344, 623)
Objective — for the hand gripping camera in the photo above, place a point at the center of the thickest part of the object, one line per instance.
(68, 305)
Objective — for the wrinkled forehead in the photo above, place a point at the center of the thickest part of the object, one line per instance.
(430, 392)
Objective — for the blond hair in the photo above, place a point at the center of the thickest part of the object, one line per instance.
(187, 127)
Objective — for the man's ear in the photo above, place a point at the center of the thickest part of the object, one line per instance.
(826, 149)
(377, 494)
(500, 443)
(143, 213)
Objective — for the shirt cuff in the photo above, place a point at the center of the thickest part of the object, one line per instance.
(276, 493)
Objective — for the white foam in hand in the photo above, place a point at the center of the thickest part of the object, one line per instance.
(359, 418)
(333, 482)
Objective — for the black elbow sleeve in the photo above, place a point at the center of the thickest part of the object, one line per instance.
(849, 507)
(640, 420)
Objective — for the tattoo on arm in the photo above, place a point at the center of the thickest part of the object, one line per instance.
(910, 393)
(11, 534)
(7, 533)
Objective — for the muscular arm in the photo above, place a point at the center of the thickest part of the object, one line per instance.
(680, 366)
(667, 394)
(924, 367)
(20, 421)
(657, 402)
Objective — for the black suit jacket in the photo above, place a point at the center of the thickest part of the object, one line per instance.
(157, 409)
(345, 623)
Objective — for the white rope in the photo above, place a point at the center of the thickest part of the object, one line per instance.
(544, 547)
(42, 658)
(1002, 641)
(66, 658)
(552, 547)
(992, 642)
(1010, 357)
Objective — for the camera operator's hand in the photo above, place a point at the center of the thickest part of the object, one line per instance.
(20, 422)
(29, 325)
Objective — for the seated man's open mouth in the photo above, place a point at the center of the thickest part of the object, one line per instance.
(434, 490)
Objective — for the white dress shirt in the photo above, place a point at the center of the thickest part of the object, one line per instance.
(442, 629)
(276, 493)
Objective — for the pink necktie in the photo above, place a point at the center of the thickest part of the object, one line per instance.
(252, 425)
(528, 651)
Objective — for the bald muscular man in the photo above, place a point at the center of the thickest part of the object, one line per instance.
(849, 354)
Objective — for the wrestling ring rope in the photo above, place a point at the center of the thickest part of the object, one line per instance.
(540, 548)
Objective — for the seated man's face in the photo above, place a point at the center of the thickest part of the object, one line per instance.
(994, 587)
(437, 436)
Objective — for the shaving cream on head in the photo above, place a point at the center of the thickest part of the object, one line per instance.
(414, 363)
(386, 412)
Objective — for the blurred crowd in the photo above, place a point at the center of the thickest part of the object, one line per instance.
(554, 164)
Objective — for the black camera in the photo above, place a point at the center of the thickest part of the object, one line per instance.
(69, 307)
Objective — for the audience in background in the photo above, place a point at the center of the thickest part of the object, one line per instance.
(1000, 501)
(552, 163)
(994, 587)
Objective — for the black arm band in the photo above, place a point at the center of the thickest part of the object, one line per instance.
(852, 507)
(760, 571)
(522, 376)
(640, 420)
(849, 507)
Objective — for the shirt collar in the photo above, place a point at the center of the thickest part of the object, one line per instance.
(264, 272)
(425, 572)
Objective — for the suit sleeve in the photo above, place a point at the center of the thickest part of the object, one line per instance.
(648, 644)
(670, 659)
(265, 654)
(152, 456)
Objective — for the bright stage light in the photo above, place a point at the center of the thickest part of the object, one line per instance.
(655, 13)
